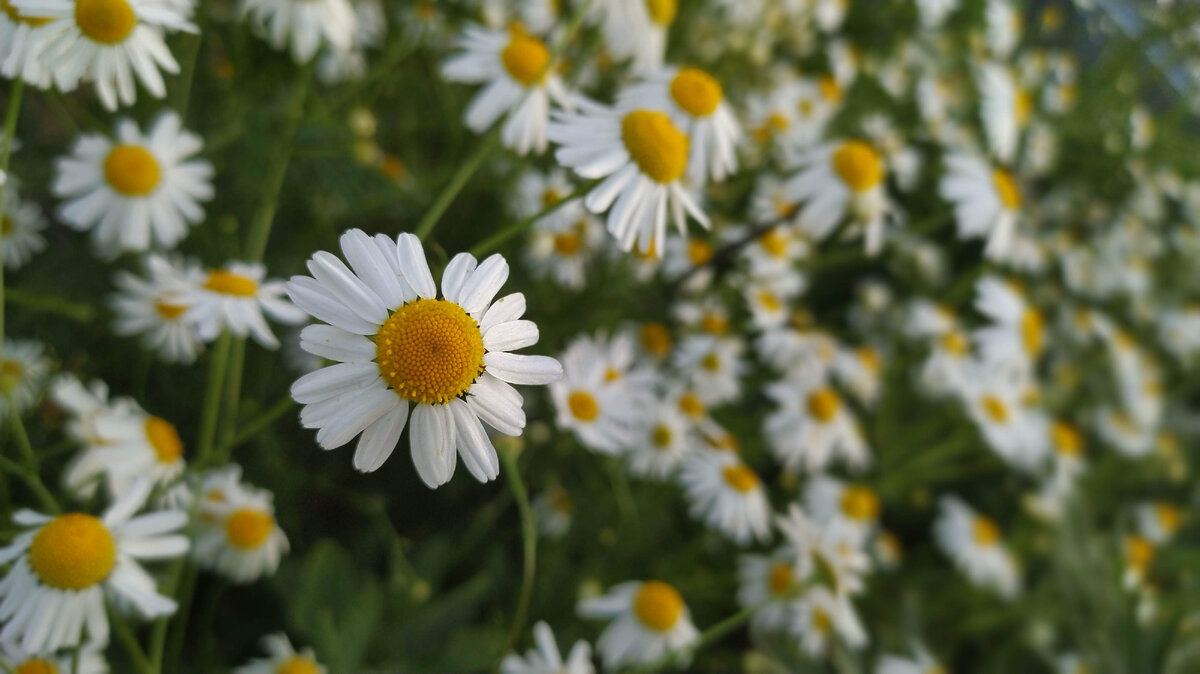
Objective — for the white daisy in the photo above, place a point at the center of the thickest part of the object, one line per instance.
(546, 659)
(668, 437)
(593, 400)
(637, 30)
(129, 445)
(839, 180)
(107, 42)
(727, 495)
(933, 12)
(849, 510)
(822, 555)
(23, 371)
(1005, 108)
(302, 26)
(19, 661)
(20, 46)
(370, 29)
(921, 662)
(554, 510)
(140, 191)
(975, 545)
(562, 250)
(649, 620)
(762, 579)
(987, 202)
(520, 81)
(1004, 26)
(449, 358)
(155, 308)
(65, 566)
(235, 298)
(945, 370)
(643, 157)
(21, 227)
(1017, 335)
(811, 427)
(1158, 521)
(282, 658)
(822, 617)
(1000, 407)
(238, 535)
(82, 405)
(712, 366)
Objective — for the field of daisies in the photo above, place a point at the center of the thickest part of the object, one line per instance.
(575, 336)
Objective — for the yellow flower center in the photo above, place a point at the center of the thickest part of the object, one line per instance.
(1169, 517)
(16, 17)
(105, 21)
(1033, 331)
(821, 621)
(1066, 439)
(661, 436)
(769, 301)
(830, 89)
(714, 324)
(567, 243)
(164, 439)
(561, 502)
(956, 343)
(656, 339)
(858, 165)
(132, 170)
(985, 531)
(169, 311)
(11, 375)
(662, 12)
(525, 58)
(429, 351)
(583, 405)
(823, 404)
(774, 242)
(1139, 552)
(1052, 18)
(870, 359)
(550, 196)
(690, 404)
(1006, 189)
(860, 503)
(248, 528)
(1024, 107)
(699, 251)
(657, 605)
(298, 664)
(73, 552)
(711, 362)
(228, 283)
(36, 666)
(780, 577)
(740, 477)
(656, 145)
(696, 91)
(995, 408)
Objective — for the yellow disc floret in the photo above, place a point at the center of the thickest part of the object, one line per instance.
(298, 664)
(656, 145)
(1006, 189)
(1033, 331)
(696, 91)
(661, 436)
(429, 351)
(740, 477)
(823, 404)
(662, 12)
(995, 409)
(583, 405)
(132, 170)
(860, 504)
(36, 666)
(164, 439)
(228, 283)
(525, 58)
(859, 165)
(105, 21)
(169, 311)
(780, 577)
(656, 339)
(73, 552)
(657, 605)
(985, 531)
(248, 528)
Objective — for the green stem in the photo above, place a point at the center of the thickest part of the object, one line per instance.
(125, 635)
(187, 590)
(32, 481)
(489, 244)
(217, 367)
(223, 451)
(49, 304)
(12, 110)
(190, 55)
(529, 541)
(264, 216)
(231, 400)
(460, 178)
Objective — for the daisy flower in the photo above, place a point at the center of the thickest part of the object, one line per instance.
(667, 439)
(921, 662)
(235, 298)
(562, 251)
(762, 579)
(975, 545)
(933, 12)
(770, 300)
(1012, 428)
(546, 659)
(238, 536)
(282, 658)
(1017, 335)
(843, 179)
(637, 30)
(1158, 521)
(23, 371)
(370, 29)
(822, 555)
(130, 445)
(140, 191)
(594, 401)
(64, 567)
(696, 101)
(945, 369)
(811, 427)
(516, 67)
(822, 617)
(302, 26)
(554, 510)
(848, 510)
(1139, 555)
(727, 495)
(1004, 26)
(21, 227)
(642, 155)
(987, 202)
(83, 404)
(20, 46)
(155, 309)
(20, 661)
(649, 620)
(713, 366)
(1005, 108)
(860, 371)
(773, 255)
(448, 359)
(107, 42)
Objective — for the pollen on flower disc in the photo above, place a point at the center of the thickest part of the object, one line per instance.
(73, 552)
(657, 605)
(429, 351)
(656, 145)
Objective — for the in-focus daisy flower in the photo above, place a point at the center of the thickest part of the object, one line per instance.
(448, 359)
(696, 101)
(596, 403)
(21, 226)
(975, 545)
(302, 26)
(851, 510)
(65, 567)
(129, 445)
(649, 620)
(238, 536)
(23, 371)
(727, 495)
(517, 70)
(156, 308)
(823, 616)
(282, 658)
(642, 155)
(839, 180)
(20, 661)
(546, 659)
(811, 427)
(235, 298)
(20, 46)
(987, 202)
(138, 191)
(1158, 521)
(765, 578)
(667, 440)
(107, 42)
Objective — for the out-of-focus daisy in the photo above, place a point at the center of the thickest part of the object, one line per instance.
(594, 402)
(20, 46)
(944, 371)
(129, 445)
(83, 404)
(554, 510)
(933, 12)
(823, 616)
(563, 251)
(21, 226)
(235, 298)
(770, 299)
(370, 28)
(649, 620)
(1139, 554)
(667, 440)
(811, 427)
(282, 658)
(140, 191)
(1006, 109)
(1014, 429)
(1158, 521)
(156, 309)
(1004, 26)
(727, 495)
(64, 567)
(860, 371)
(712, 366)
(448, 359)
(696, 101)
(847, 509)
(546, 659)
(20, 661)
(766, 578)
(637, 30)
(1121, 431)
(987, 202)
(107, 42)
(1017, 335)
(975, 545)
(517, 69)
(302, 26)
(824, 556)
(23, 371)
(642, 155)
(238, 536)
(921, 662)
(839, 180)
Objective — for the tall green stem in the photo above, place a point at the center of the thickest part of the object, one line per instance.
(264, 216)
(231, 400)
(217, 367)
(125, 635)
(457, 181)
(12, 110)
(224, 449)
(529, 540)
(489, 244)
